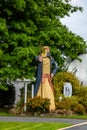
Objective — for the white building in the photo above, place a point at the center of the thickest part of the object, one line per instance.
(80, 68)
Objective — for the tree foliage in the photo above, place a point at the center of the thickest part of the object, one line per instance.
(26, 26)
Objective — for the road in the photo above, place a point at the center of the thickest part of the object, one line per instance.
(80, 126)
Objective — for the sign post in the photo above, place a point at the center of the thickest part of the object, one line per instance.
(25, 97)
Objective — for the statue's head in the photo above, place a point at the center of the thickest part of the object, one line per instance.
(46, 51)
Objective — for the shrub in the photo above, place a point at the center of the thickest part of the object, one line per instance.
(83, 96)
(72, 104)
(38, 105)
(61, 78)
(67, 103)
(20, 106)
(64, 112)
(79, 109)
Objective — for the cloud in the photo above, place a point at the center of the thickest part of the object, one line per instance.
(77, 22)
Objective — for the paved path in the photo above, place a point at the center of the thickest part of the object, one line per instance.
(39, 119)
(78, 124)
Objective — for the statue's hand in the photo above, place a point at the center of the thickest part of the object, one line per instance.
(52, 76)
(40, 58)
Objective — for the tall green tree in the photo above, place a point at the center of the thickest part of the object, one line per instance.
(26, 26)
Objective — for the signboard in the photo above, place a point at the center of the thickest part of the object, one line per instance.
(67, 89)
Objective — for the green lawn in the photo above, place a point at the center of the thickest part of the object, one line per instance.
(31, 126)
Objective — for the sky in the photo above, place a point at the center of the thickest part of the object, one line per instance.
(77, 22)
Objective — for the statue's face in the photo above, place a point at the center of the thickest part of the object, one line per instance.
(46, 52)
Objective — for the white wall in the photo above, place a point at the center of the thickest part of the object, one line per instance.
(81, 68)
(18, 86)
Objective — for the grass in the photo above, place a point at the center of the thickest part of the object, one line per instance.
(4, 112)
(31, 126)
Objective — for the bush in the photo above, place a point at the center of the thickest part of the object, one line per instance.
(83, 96)
(72, 104)
(79, 109)
(67, 103)
(20, 106)
(61, 78)
(38, 105)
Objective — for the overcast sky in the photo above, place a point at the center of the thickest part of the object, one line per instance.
(77, 22)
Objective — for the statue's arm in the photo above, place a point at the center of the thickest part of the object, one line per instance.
(39, 58)
(55, 67)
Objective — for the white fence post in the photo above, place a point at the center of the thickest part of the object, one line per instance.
(32, 91)
(25, 96)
